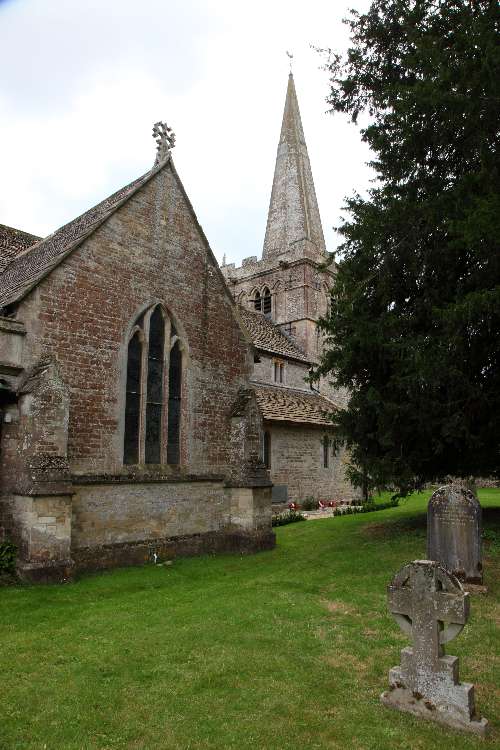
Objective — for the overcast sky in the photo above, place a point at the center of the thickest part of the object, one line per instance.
(83, 83)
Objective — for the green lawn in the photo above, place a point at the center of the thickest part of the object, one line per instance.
(285, 649)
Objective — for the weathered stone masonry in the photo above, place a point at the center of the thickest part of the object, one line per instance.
(68, 500)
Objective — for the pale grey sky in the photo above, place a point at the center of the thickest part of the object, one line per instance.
(84, 82)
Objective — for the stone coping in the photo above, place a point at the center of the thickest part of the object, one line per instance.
(12, 326)
(88, 479)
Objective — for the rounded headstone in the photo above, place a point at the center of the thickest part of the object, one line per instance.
(454, 532)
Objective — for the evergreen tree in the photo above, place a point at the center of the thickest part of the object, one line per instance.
(415, 316)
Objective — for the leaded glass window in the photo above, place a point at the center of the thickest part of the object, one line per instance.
(267, 449)
(266, 302)
(154, 405)
(153, 391)
(326, 447)
(133, 401)
(174, 404)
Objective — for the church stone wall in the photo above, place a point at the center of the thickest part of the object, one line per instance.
(65, 432)
(297, 461)
(149, 250)
(295, 372)
(130, 523)
(104, 514)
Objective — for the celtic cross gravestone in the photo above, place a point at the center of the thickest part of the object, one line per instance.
(454, 532)
(430, 605)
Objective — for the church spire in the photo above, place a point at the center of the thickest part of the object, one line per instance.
(293, 222)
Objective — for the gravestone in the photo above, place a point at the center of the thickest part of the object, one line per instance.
(454, 532)
(430, 605)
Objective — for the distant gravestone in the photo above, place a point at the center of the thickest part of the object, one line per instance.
(454, 532)
(430, 605)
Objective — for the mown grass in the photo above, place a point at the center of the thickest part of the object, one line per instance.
(285, 649)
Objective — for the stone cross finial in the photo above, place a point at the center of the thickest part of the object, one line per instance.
(165, 141)
(430, 605)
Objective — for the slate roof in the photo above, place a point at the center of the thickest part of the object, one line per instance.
(269, 337)
(278, 404)
(12, 242)
(30, 266)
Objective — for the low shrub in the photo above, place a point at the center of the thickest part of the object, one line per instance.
(366, 508)
(309, 504)
(290, 516)
(7, 557)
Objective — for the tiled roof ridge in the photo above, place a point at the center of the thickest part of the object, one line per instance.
(298, 391)
(282, 404)
(278, 342)
(28, 268)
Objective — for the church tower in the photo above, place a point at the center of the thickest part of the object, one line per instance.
(281, 298)
(286, 285)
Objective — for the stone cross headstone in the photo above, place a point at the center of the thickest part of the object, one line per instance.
(430, 605)
(454, 532)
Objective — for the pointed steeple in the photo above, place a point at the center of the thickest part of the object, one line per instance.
(293, 222)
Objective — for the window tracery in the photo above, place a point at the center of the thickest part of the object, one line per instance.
(153, 391)
(266, 301)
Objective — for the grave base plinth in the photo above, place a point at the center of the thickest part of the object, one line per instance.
(403, 699)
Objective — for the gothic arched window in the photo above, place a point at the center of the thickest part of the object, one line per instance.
(133, 399)
(153, 391)
(174, 404)
(267, 449)
(326, 448)
(266, 301)
(154, 398)
(257, 301)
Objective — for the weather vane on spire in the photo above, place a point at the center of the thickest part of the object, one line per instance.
(290, 55)
(165, 141)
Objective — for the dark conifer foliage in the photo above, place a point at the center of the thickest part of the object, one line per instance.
(415, 317)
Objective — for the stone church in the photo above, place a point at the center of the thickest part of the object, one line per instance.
(141, 420)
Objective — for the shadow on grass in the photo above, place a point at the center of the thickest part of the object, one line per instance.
(413, 525)
(417, 524)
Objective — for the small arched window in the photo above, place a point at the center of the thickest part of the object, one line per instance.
(279, 371)
(257, 301)
(267, 449)
(266, 301)
(153, 391)
(326, 449)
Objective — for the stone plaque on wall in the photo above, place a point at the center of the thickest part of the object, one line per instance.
(454, 532)
(280, 493)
